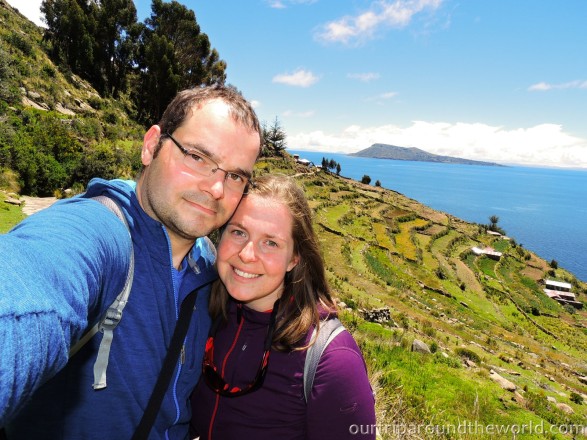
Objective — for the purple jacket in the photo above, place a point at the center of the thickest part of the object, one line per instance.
(341, 405)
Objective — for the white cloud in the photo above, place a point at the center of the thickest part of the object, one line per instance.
(542, 86)
(541, 145)
(31, 9)
(382, 97)
(282, 4)
(276, 4)
(306, 114)
(255, 104)
(383, 14)
(300, 78)
(364, 77)
(387, 95)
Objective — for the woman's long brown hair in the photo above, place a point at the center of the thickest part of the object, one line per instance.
(306, 289)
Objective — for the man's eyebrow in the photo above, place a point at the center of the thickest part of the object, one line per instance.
(202, 149)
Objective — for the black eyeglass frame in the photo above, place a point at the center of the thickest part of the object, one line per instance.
(197, 154)
(214, 379)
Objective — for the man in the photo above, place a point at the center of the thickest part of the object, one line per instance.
(62, 267)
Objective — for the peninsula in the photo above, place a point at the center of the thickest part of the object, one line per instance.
(385, 151)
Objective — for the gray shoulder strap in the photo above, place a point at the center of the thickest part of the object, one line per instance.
(328, 331)
(114, 313)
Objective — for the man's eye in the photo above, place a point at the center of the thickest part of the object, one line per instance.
(196, 157)
(235, 177)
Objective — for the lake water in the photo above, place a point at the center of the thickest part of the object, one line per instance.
(543, 209)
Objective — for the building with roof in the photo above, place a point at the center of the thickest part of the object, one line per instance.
(561, 292)
(490, 252)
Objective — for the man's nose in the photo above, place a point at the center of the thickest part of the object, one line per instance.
(216, 183)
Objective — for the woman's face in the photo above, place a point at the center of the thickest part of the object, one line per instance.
(255, 252)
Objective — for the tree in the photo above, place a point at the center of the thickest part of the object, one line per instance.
(93, 39)
(114, 43)
(274, 138)
(366, 179)
(493, 220)
(377, 183)
(332, 164)
(71, 26)
(175, 55)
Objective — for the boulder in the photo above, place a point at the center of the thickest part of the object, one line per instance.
(518, 398)
(420, 347)
(565, 408)
(377, 315)
(13, 201)
(469, 363)
(502, 381)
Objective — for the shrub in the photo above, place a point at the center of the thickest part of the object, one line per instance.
(48, 71)
(441, 273)
(9, 180)
(576, 398)
(440, 358)
(467, 354)
(20, 43)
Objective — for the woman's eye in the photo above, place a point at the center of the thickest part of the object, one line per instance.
(271, 243)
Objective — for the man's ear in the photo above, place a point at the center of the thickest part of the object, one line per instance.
(150, 142)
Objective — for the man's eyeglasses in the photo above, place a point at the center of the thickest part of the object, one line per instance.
(214, 378)
(204, 166)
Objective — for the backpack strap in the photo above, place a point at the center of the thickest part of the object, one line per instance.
(114, 313)
(329, 329)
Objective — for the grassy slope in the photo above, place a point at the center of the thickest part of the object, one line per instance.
(384, 250)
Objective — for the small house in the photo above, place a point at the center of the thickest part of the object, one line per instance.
(561, 292)
(490, 252)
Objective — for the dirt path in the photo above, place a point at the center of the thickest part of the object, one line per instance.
(34, 204)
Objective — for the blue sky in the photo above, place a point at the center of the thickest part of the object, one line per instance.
(499, 80)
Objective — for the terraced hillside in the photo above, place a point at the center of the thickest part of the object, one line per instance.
(503, 355)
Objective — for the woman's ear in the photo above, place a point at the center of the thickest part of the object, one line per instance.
(293, 263)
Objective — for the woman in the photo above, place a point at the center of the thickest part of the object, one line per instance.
(272, 296)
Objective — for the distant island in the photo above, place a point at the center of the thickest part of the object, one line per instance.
(385, 151)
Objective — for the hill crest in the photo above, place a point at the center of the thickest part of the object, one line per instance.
(386, 151)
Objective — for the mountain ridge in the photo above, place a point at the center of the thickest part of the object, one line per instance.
(393, 152)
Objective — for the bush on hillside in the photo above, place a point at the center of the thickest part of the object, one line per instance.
(9, 180)
(467, 354)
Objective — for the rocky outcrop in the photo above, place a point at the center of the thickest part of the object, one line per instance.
(420, 347)
(565, 408)
(502, 381)
(377, 315)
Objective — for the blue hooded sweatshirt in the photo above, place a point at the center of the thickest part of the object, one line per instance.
(60, 269)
